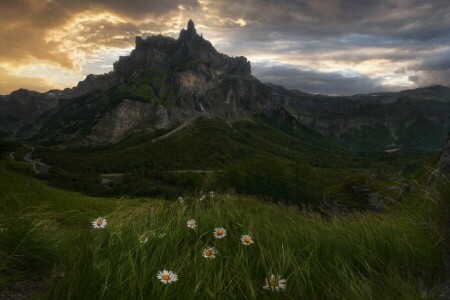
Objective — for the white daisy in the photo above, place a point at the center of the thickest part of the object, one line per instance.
(180, 199)
(209, 252)
(167, 276)
(211, 194)
(191, 223)
(143, 239)
(220, 232)
(275, 283)
(246, 240)
(99, 223)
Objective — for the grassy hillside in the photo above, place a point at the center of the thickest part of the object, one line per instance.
(47, 240)
(255, 156)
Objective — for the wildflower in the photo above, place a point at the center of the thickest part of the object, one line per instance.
(191, 223)
(161, 235)
(202, 198)
(180, 200)
(99, 223)
(246, 240)
(275, 283)
(209, 252)
(211, 194)
(167, 276)
(220, 232)
(143, 239)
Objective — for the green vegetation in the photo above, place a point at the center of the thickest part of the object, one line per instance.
(255, 156)
(368, 139)
(47, 236)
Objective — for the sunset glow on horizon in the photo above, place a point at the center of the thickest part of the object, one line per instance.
(340, 47)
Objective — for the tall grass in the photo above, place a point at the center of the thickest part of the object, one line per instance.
(368, 256)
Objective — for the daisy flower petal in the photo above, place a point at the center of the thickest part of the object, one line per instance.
(209, 252)
(191, 223)
(275, 283)
(246, 240)
(220, 232)
(167, 277)
(99, 223)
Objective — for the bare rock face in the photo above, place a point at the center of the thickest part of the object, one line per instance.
(128, 115)
(90, 84)
(23, 107)
(167, 53)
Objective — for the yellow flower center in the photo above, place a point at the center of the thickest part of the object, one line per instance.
(247, 240)
(274, 283)
(219, 232)
(166, 277)
(99, 222)
(208, 252)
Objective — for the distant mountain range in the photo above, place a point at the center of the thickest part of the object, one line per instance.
(166, 83)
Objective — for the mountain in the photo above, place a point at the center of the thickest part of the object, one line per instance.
(23, 107)
(163, 82)
(166, 83)
(416, 119)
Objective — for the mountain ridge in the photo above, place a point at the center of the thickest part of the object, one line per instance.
(165, 82)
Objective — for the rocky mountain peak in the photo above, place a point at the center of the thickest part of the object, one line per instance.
(191, 26)
(191, 49)
(190, 33)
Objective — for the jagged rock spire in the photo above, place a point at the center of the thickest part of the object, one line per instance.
(191, 26)
(190, 33)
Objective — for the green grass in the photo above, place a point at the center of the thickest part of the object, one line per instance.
(394, 255)
(255, 156)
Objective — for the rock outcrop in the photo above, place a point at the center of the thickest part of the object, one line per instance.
(128, 115)
(190, 50)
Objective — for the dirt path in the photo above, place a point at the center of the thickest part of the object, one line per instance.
(183, 125)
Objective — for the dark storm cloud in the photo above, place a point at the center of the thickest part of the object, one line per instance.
(315, 82)
(409, 33)
(405, 19)
(433, 68)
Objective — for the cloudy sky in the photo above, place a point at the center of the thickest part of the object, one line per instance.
(319, 46)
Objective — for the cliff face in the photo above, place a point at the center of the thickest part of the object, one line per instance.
(22, 108)
(126, 116)
(159, 52)
(414, 119)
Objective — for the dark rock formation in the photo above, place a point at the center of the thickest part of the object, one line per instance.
(90, 84)
(23, 107)
(190, 50)
(163, 81)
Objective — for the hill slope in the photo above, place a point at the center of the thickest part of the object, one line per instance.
(48, 247)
